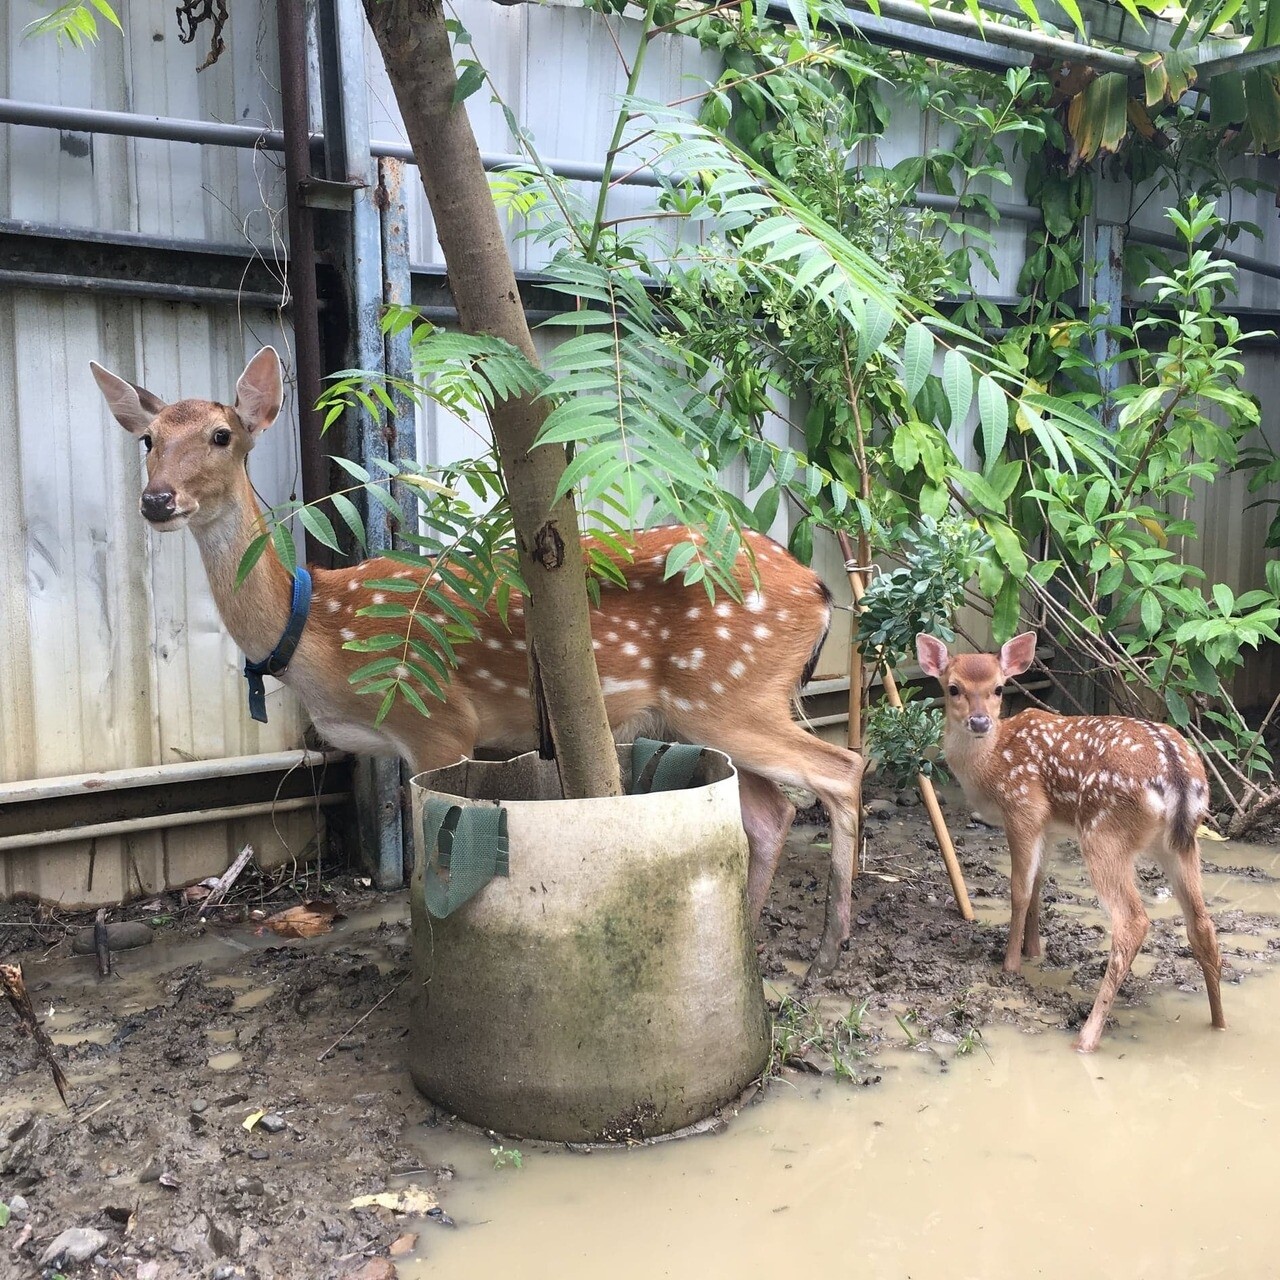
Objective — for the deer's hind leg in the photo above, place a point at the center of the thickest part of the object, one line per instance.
(1183, 873)
(1109, 861)
(777, 749)
(767, 815)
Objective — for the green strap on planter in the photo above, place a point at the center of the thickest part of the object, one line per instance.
(465, 848)
(662, 766)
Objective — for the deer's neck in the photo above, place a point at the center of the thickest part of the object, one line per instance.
(973, 760)
(256, 612)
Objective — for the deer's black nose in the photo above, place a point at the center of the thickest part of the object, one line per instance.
(980, 724)
(158, 505)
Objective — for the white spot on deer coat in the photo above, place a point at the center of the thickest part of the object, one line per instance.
(693, 614)
(755, 602)
(333, 605)
(347, 634)
(609, 686)
(737, 669)
(379, 598)
(724, 633)
(723, 609)
(630, 650)
(761, 632)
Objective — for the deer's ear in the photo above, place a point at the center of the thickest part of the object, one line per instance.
(1018, 654)
(260, 391)
(132, 407)
(932, 655)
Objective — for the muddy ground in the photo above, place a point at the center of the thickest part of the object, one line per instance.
(216, 1022)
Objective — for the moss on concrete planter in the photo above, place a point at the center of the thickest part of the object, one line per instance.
(608, 989)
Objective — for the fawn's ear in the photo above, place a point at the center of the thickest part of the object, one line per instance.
(1018, 654)
(132, 407)
(260, 391)
(932, 655)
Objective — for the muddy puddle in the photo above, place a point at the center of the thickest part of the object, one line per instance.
(1021, 1158)
(965, 1139)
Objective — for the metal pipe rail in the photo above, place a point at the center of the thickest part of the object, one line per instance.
(164, 774)
(163, 821)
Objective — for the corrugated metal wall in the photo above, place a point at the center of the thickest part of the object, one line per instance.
(111, 651)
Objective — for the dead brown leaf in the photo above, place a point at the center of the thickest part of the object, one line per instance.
(402, 1245)
(304, 921)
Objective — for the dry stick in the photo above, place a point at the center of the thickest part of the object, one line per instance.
(927, 794)
(226, 880)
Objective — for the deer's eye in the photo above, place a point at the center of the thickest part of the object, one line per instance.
(222, 437)
(953, 690)
(999, 689)
(147, 442)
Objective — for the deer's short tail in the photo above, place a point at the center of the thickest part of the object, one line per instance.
(1187, 797)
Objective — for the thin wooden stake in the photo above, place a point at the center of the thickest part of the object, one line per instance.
(925, 785)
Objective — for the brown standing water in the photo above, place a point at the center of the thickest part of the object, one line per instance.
(1018, 1158)
(1151, 1158)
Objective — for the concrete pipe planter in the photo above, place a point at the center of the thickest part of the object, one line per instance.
(607, 988)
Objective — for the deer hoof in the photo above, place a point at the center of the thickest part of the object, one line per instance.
(824, 962)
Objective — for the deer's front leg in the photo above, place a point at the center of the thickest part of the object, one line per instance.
(1026, 848)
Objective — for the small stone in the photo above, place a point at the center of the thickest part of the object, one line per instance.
(271, 1123)
(375, 1269)
(199, 1106)
(76, 1244)
(402, 1245)
(18, 1208)
(333, 1230)
(258, 1154)
(249, 1186)
(223, 1271)
(907, 799)
(123, 935)
(880, 808)
(152, 1172)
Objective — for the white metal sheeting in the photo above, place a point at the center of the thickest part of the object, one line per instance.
(122, 184)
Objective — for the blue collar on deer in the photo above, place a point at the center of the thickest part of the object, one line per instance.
(277, 660)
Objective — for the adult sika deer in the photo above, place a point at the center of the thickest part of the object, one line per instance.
(722, 675)
(1121, 787)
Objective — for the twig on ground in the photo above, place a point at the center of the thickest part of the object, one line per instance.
(102, 943)
(226, 880)
(16, 990)
(360, 1019)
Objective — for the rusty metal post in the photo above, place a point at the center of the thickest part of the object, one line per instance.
(308, 365)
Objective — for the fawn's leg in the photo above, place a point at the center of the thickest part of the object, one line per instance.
(1110, 865)
(1031, 935)
(1026, 848)
(1183, 872)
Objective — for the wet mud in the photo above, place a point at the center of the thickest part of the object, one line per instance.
(233, 1094)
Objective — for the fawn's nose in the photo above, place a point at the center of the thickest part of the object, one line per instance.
(980, 724)
(158, 505)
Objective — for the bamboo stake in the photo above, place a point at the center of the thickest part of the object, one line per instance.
(925, 785)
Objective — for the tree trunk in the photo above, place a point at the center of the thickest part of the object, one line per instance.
(415, 47)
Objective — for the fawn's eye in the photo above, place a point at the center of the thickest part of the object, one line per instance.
(147, 442)
(953, 690)
(222, 437)
(999, 689)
